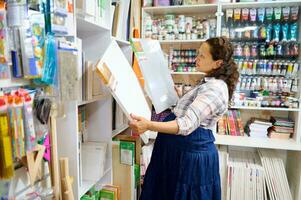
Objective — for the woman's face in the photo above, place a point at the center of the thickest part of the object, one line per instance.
(204, 61)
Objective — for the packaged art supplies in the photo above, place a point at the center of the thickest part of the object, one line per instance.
(4, 68)
(6, 157)
(38, 40)
(15, 50)
(59, 17)
(15, 110)
(49, 71)
(30, 136)
(30, 70)
(127, 153)
(68, 77)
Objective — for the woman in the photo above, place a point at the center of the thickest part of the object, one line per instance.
(184, 163)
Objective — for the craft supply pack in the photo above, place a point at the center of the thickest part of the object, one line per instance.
(4, 67)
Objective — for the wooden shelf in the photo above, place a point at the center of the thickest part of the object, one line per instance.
(266, 108)
(100, 97)
(187, 73)
(244, 141)
(186, 9)
(119, 130)
(260, 4)
(181, 41)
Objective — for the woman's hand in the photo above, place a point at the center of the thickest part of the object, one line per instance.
(177, 91)
(139, 124)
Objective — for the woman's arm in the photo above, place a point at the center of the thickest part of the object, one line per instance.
(211, 100)
(140, 125)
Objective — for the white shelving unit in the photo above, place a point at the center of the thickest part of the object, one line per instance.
(187, 73)
(266, 108)
(96, 37)
(292, 147)
(244, 141)
(180, 41)
(100, 97)
(185, 9)
(13, 83)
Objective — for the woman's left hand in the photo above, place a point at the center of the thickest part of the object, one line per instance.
(139, 124)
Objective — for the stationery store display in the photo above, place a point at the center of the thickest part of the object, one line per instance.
(179, 27)
(182, 60)
(266, 52)
(20, 128)
(28, 50)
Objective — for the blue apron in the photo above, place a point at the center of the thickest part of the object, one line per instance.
(183, 167)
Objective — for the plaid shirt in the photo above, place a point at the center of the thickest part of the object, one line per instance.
(202, 106)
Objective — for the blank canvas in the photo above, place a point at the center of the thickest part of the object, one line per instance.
(154, 67)
(119, 77)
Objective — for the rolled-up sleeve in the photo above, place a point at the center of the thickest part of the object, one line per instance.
(206, 104)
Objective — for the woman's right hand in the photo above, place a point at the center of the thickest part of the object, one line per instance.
(177, 91)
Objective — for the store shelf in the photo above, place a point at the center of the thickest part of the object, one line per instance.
(187, 73)
(244, 141)
(119, 130)
(121, 42)
(187, 9)
(100, 97)
(266, 108)
(87, 185)
(181, 41)
(260, 4)
(13, 83)
(87, 26)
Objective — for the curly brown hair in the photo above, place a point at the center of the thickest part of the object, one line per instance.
(222, 49)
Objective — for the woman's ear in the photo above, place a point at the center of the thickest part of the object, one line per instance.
(218, 64)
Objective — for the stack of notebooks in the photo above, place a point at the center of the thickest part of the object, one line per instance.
(281, 129)
(231, 124)
(246, 177)
(258, 128)
(276, 179)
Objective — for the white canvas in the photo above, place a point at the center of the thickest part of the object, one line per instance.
(154, 67)
(123, 84)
